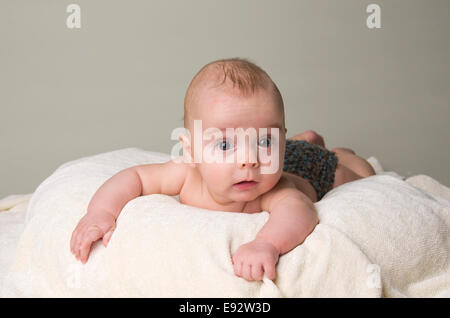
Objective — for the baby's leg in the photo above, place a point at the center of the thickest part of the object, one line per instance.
(310, 136)
(350, 167)
(314, 138)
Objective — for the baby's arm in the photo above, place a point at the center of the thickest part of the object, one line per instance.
(292, 218)
(109, 200)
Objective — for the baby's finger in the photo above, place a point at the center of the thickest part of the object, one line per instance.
(84, 253)
(237, 268)
(91, 236)
(247, 271)
(107, 237)
(269, 270)
(77, 246)
(74, 239)
(257, 272)
(80, 238)
(76, 243)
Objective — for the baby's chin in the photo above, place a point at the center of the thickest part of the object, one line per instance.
(245, 195)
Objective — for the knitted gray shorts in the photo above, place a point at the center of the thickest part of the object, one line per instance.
(312, 162)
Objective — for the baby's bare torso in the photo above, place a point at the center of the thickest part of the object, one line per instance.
(194, 193)
(190, 194)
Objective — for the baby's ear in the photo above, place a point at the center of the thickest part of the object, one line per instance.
(187, 149)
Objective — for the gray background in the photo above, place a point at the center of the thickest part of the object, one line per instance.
(120, 80)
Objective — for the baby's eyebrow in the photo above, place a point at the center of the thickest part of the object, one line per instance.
(276, 125)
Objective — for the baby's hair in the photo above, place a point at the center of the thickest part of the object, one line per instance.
(241, 73)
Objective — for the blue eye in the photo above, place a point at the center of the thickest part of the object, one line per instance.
(265, 142)
(224, 145)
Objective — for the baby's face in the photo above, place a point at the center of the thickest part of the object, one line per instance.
(230, 160)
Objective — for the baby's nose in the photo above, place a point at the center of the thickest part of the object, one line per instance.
(247, 157)
(250, 161)
(248, 164)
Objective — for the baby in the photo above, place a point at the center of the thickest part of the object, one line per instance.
(234, 94)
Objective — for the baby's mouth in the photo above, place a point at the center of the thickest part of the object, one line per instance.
(243, 185)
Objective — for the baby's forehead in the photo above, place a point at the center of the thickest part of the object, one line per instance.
(231, 101)
(234, 113)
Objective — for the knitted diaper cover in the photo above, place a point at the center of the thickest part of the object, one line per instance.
(312, 162)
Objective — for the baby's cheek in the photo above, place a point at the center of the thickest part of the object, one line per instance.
(270, 180)
(216, 171)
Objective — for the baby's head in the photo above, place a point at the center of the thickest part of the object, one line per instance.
(226, 100)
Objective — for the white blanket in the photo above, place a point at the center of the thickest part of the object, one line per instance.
(377, 237)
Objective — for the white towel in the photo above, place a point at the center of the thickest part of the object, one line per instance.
(379, 236)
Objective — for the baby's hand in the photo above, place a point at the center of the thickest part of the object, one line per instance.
(255, 258)
(92, 227)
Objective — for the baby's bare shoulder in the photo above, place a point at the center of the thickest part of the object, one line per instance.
(284, 188)
(302, 185)
(165, 178)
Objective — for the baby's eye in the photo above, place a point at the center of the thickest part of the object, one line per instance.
(265, 142)
(224, 145)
